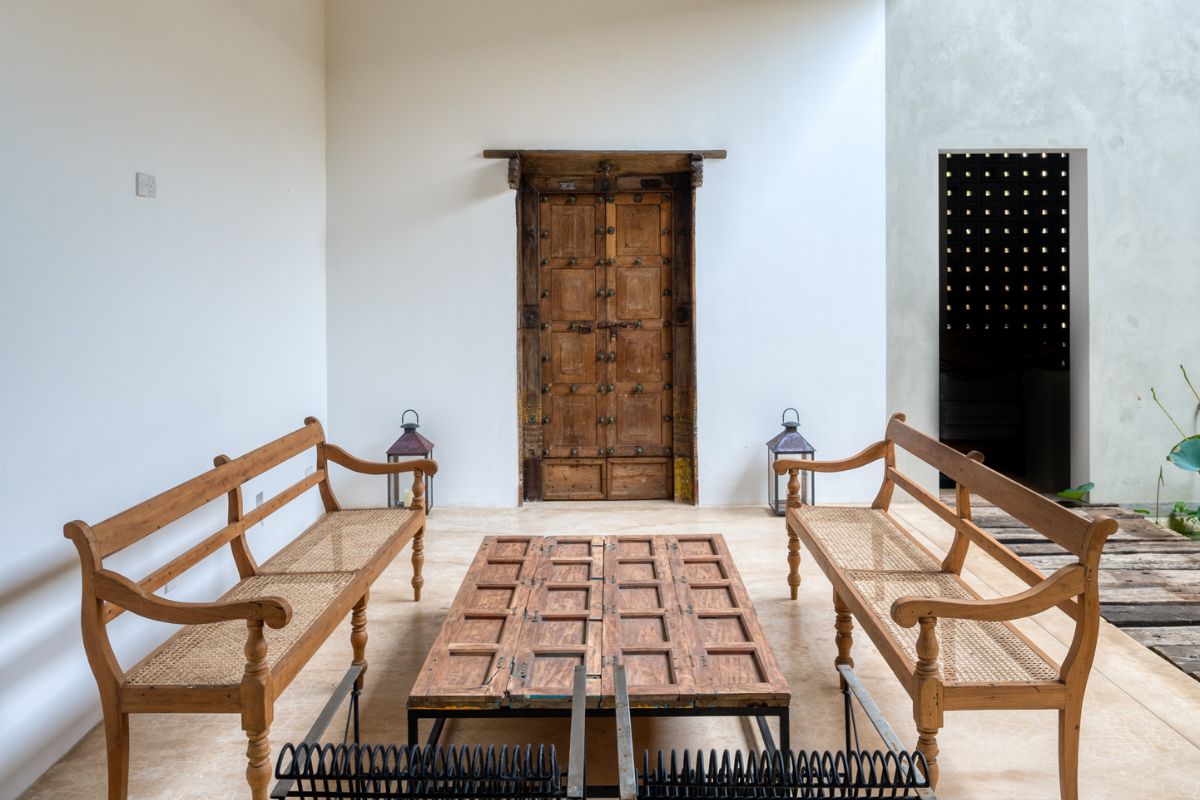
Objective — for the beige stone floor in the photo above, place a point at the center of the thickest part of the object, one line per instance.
(1141, 731)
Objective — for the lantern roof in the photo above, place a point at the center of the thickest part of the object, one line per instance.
(410, 442)
(789, 441)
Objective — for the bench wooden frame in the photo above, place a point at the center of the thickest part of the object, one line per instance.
(1073, 589)
(107, 594)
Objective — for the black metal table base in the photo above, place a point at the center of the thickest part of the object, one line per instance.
(759, 713)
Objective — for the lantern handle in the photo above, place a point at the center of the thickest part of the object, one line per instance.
(783, 417)
(412, 411)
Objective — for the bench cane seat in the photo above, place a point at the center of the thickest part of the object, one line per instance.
(341, 541)
(212, 654)
(970, 651)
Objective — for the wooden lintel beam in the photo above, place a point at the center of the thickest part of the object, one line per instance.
(604, 162)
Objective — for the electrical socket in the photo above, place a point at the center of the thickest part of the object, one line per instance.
(145, 185)
(258, 499)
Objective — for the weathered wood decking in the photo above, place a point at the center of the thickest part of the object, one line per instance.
(1149, 577)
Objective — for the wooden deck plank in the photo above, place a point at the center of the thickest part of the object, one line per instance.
(1166, 636)
(1150, 614)
(1149, 577)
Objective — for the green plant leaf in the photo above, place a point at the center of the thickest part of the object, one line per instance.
(1145, 511)
(1186, 454)
(1078, 493)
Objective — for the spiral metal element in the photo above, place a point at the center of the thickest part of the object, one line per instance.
(857, 774)
(370, 772)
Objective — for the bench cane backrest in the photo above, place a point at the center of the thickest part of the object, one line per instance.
(136, 523)
(1068, 530)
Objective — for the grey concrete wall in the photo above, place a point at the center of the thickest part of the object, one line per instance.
(1120, 80)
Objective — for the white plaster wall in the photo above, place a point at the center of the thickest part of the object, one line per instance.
(139, 337)
(790, 248)
(1119, 80)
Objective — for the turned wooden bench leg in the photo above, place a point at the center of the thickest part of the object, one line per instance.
(257, 712)
(418, 542)
(845, 632)
(793, 501)
(358, 636)
(116, 738)
(418, 563)
(793, 563)
(927, 704)
(1068, 747)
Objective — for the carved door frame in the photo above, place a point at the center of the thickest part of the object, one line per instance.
(534, 173)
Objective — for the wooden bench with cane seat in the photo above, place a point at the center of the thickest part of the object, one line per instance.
(239, 653)
(951, 649)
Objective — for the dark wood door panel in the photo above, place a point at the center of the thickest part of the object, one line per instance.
(572, 292)
(639, 293)
(640, 356)
(573, 479)
(573, 426)
(571, 228)
(728, 646)
(470, 660)
(639, 230)
(640, 424)
(562, 626)
(640, 478)
(573, 357)
(642, 626)
(604, 366)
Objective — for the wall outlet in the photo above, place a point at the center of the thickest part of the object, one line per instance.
(145, 185)
(258, 499)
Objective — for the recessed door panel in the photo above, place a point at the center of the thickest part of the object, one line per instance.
(572, 423)
(638, 231)
(572, 294)
(572, 231)
(572, 357)
(573, 479)
(639, 423)
(640, 356)
(639, 293)
(640, 479)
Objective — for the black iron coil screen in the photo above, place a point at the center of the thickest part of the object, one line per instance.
(858, 774)
(376, 772)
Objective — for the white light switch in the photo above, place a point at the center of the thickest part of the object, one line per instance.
(146, 185)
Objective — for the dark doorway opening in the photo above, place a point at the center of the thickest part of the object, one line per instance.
(1005, 356)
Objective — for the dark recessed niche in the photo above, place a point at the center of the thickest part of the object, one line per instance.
(1005, 258)
(1004, 313)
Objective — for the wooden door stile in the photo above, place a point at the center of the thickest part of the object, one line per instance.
(642, 626)
(562, 626)
(731, 657)
(471, 661)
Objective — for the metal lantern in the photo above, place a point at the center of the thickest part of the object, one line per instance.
(411, 446)
(788, 444)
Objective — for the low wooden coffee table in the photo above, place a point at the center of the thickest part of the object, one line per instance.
(672, 608)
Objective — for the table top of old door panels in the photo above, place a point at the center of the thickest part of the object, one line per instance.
(672, 608)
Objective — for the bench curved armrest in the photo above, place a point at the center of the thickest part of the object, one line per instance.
(1064, 584)
(339, 456)
(119, 590)
(866, 456)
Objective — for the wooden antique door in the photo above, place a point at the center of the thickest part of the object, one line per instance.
(605, 275)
